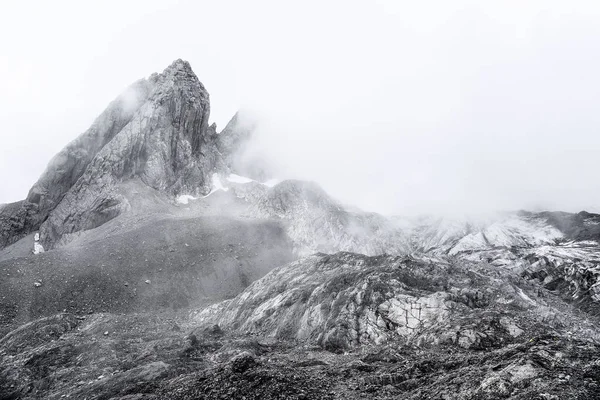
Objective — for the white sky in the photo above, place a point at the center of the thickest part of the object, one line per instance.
(394, 106)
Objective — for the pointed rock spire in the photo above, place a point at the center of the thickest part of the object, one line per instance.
(157, 131)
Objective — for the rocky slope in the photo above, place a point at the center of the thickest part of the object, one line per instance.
(157, 256)
(346, 300)
(342, 326)
(316, 222)
(149, 357)
(518, 259)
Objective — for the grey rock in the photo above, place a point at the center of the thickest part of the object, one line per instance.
(242, 362)
(318, 223)
(68, 166)
(167, 144)
(347, 300)
(156, 132)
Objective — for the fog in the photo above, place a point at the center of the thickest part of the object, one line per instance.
(396, 107)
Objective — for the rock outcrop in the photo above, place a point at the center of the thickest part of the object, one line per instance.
(346, 300)
(167, 144)
(69, 165)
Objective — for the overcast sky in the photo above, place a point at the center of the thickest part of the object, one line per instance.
(394, 106)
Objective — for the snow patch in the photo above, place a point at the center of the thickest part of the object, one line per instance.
(37, 246)
(242, 179)
(185, 198)
(513, 231)
(217, 184)
(239, 179)
(271, 182)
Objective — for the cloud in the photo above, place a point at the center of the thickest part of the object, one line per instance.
(398, 107)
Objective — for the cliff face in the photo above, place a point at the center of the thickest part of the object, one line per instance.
(157, 131)
(167, 144)
(63, 171)
(70, 163)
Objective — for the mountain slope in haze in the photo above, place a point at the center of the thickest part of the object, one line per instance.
(554, 252)
(106, 209)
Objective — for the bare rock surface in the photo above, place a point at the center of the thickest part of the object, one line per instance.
(347, 300)
(156, 131)
(167, 144)
(147, 356)
(316, 222)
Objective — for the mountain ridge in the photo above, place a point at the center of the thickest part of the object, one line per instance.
(156, 130)
(178, 267)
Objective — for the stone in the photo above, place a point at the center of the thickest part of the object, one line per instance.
(242, 362)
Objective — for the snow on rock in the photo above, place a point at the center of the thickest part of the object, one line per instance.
(37, 246)
(217, 184)
(271, 182)
(473, 241)
(239, 179)
(513, 231)
(242, 179)
(185, 198)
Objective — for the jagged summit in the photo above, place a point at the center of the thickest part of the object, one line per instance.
(178, 66)
(156, 132)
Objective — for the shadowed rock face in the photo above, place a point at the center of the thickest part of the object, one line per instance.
(157, 131)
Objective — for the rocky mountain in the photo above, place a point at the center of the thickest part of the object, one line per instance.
(156, 131)
(176, 266)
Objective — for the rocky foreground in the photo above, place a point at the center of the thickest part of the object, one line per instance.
(341, 326)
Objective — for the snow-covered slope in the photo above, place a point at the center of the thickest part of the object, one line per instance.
(510, 231)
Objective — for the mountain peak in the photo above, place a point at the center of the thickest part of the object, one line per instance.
(178, 72)
(156, 132)
(179, 65)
